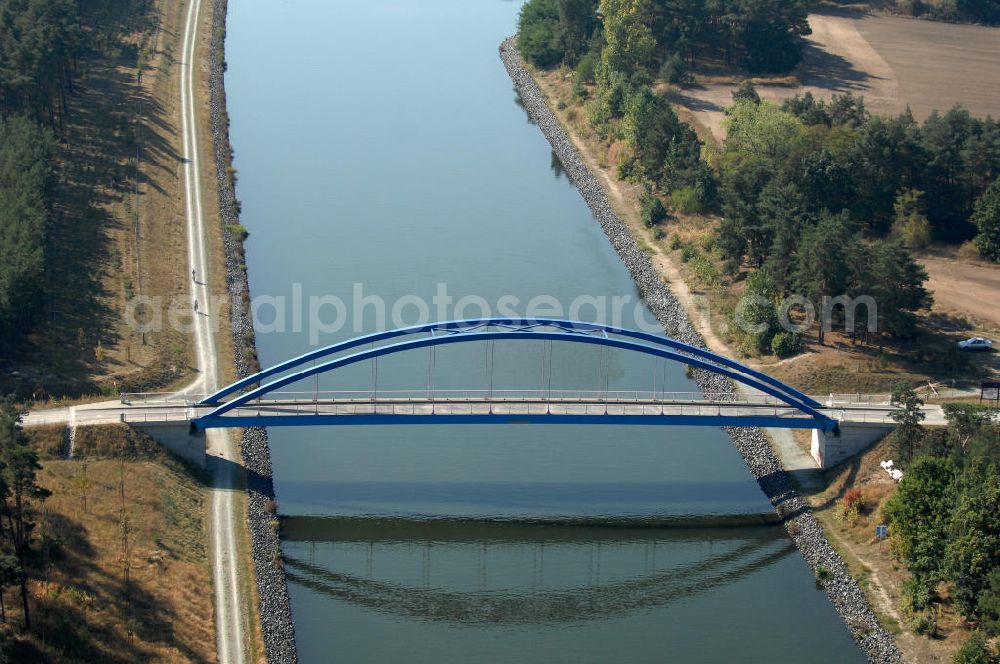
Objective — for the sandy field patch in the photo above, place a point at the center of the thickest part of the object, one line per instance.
(938, 65)
(893, 62)
(965, 288)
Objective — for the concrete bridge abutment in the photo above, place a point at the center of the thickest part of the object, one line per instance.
(179, 438)
(831, 447)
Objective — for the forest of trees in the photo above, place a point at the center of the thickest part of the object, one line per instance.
(42, 43)
(25, 199)
(820, 198)
(829, 200)
(943, 519)
(757, 35)
(974, 11)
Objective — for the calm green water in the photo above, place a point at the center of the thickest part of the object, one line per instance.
(382, 155)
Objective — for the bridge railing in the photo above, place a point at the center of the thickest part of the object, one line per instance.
(483, 394)
(858, 399)
(858, 416)
(153, 416)
(486, 394)
(263, 410)
(143, 398)
(174, 412)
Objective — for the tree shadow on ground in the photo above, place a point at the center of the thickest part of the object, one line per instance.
(823, 69)
(693, 103)
(86, 274)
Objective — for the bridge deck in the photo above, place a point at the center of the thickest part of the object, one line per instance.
(471, 406)
(292, 412)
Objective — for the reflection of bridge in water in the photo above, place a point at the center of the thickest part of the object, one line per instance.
(589, 586)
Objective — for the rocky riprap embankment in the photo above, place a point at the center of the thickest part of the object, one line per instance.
(272, 587)
(797, 519)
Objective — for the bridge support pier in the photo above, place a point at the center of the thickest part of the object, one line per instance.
(831, 447)
(179, 438)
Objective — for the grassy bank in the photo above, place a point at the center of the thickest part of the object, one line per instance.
(122, 569)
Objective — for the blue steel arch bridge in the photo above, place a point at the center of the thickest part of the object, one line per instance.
(263, 399)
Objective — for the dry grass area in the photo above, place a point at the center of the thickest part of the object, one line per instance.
(83, 610)
(49, 441)
(869, 559)
(839, 366)
(932, 357)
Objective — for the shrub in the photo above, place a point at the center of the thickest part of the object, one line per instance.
(915, 231)
(238, 230)
(822, 574)
(850, 516)
(918, 593)
(580, 91)
(688, 252)
(853, 497)
(851, 505)
(974, 651)
(675, 71)
(968, 251)
(627, 169)
(924, 622)
(786, 344)
(687, 200)
(705, 272)
(600, 115)
(585, 69)
(675, 242)
(653, 210)
(658, 234)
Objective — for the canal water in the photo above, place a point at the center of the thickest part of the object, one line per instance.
(388, 174)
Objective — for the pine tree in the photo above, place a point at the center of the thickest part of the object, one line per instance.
(986, 217)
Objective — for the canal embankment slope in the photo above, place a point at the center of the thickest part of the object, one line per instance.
(277, 629)
(797, 519)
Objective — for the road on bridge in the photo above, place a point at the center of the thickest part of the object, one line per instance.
(175, 408)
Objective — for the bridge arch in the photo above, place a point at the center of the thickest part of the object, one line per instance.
(466, 331)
